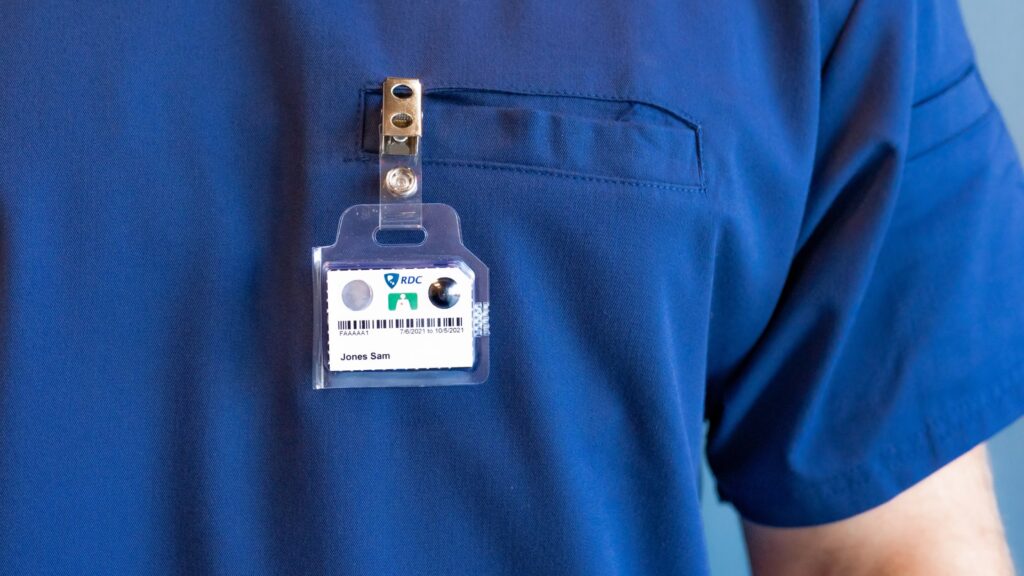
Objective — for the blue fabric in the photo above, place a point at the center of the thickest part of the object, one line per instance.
(801, 223)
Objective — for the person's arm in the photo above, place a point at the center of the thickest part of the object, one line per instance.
(946, 524)
(895, 345)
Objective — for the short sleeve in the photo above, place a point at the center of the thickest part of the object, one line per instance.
(898, 342)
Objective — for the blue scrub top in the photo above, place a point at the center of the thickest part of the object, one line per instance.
(799, 222)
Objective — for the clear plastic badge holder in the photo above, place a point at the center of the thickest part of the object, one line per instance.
(399, 315)
(389, 314)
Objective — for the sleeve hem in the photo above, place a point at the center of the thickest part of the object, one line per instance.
(897, 467)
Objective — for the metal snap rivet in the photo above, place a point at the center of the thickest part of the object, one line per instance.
(401, 181)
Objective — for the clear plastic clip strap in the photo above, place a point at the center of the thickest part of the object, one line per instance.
(401, 179)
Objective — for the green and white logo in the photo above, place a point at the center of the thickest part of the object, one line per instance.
(403, 301)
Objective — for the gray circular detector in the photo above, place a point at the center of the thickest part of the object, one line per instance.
(357, 295)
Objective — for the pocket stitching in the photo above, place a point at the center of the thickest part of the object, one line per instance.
(687, 120)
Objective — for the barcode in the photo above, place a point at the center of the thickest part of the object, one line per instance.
(385, 324)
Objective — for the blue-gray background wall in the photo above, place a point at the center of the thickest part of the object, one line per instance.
(997, 28)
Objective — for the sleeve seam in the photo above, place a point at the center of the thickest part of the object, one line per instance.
(953, 136)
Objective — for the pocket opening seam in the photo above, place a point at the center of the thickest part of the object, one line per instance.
(442, 87)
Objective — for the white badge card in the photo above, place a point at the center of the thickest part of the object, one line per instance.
(400, 319)
(399, 314)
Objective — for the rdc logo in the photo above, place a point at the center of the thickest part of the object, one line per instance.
(392, 279)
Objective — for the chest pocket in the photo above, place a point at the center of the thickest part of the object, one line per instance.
(600, 237)
(623, 141)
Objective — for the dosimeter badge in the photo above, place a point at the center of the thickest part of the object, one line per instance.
(389, 314)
